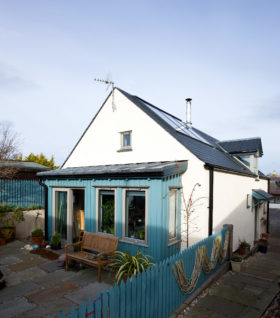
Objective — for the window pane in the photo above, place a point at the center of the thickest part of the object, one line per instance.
(135, 214)
(106, 211)
(61, 213)
(126, 140)
(172, 214)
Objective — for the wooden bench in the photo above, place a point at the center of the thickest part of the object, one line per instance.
(104, 245)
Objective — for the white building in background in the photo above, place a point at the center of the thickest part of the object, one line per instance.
(129, 134)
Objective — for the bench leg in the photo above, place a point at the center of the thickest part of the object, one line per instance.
(66, 263)
(99, 273)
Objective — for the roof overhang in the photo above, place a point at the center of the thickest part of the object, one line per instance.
(261, 195)
(133, 170)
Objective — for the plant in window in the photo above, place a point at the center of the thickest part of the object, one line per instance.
(127, 265)
(108, 209)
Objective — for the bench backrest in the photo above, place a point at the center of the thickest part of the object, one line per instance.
(100, 242)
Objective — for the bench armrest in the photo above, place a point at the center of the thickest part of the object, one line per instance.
(69, 245)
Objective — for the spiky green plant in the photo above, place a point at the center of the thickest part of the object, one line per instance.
(128, 265)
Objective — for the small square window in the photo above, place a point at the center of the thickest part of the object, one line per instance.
(125, 141)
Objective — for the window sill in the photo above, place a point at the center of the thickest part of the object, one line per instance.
(134, 241)
(125, 149)
(173, 242)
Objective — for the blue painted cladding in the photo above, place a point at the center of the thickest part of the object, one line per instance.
(22, 193)
(157, 212)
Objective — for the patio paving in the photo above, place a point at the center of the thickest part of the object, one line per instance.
(38, 287)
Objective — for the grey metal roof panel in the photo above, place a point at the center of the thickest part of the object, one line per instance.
(159, 169)
(210, 153)
(23, 165)
(242, 145)
(264, 194)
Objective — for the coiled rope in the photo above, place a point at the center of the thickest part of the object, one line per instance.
(201, 263)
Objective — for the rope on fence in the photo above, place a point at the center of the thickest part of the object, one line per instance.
(201, 263)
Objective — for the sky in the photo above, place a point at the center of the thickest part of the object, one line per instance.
(222, 54)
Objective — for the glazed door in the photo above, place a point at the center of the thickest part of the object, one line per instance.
(62, 220)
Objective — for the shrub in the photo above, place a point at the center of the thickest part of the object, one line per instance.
(9, 219)
(128, 265)
(55, 239)
(244, 244)
(37, 233)
(236, 258)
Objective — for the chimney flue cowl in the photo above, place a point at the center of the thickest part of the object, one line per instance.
(189, 104)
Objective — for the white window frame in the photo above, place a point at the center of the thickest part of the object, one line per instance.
(123, 147)
(69, 211)
(97, 209)
(129, 239)
(175, 238)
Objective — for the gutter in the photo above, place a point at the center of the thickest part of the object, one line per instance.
(46, 208)
(211, 192)
(267, 217)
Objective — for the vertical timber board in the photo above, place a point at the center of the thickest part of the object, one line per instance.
(105, 304)
(144, 298)
(160, 289)
(138, 296)
(114, 301)
(128, 306)
(122, 299)
(97, 307)
(133, 297)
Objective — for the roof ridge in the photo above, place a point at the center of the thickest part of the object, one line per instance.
(240, 139)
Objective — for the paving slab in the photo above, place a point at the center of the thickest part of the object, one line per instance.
(15, 307)
(51, 279)
(222, 306)
(51, 266)
(243, 297)
(49, 294)
(49, 309)
(26, 261)
(90, 291)
(198, 312)
(14, 278)
(6, 260)
(21, 289)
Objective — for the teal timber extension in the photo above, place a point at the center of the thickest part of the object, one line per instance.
(162, 190)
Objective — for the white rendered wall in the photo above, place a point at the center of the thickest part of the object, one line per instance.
(230, 205)
(101, 142)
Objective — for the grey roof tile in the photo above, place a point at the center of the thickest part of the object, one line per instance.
(242, 145)
(152, 169)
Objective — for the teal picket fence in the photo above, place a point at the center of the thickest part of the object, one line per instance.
(22, 193)
(153, 294)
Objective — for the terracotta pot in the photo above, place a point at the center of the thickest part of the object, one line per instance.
(265, 235)
(37, 240)
(2, 241)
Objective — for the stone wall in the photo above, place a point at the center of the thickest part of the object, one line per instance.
(25, 228)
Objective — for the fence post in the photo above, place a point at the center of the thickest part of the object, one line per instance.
(230, 239)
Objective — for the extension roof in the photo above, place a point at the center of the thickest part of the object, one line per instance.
(203, 146)
(146, 169)
(23, 165)
(239, 146)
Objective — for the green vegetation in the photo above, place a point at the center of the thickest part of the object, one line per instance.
(55, 239)
(127, 265)
(236, 258)
(4, 208)
(9, 219)
(37, 233)
(244, 244)
(40, 158)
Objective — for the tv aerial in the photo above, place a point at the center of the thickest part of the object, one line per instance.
(111, 84)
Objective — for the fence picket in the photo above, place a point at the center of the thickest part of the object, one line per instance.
(105, 304)
(81, 311)
(154, 293)
(62, 315)
(89, 309)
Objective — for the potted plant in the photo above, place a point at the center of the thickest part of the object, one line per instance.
(9, 217)
(263, 243)
(127, 265)
(236, 262)
(37, 237)
(244, 247)
(56, 241)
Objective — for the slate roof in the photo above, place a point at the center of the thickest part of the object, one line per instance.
(239, 146)
(203, 146)
(274, 185)
(148, 169)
